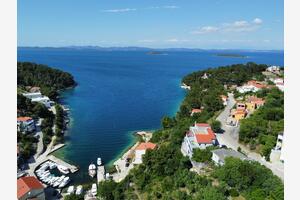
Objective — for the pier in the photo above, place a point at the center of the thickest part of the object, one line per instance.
(100, 173)
(72, 168)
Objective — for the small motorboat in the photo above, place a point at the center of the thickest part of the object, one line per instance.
(64, 182)
(70, 190)
(99, 162)
(63, 169)
(92, 170)
(79, 190)
(94, 189)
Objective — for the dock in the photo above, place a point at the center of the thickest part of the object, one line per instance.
(72, 168)
(55, 148)
(100, 173)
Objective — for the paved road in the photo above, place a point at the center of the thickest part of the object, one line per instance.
(40, 144)
(230, 139)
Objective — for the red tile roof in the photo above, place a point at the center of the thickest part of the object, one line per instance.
(24, 119)
(196, 110)
(26, 184)
(256, 100)
(206, 138)
(202, 125)
(145, 146)
(256, 84)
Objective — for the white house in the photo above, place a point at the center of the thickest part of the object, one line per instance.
(273, 69)
(251, 86)
(219, 155)
(25, 124)
(199, 136)
(141, 150)
(38, 97)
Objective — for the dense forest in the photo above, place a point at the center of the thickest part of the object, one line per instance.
(48, 79)
(165, 172)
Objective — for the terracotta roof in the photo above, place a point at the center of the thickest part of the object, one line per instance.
(238, 111)
(256, 84)
(223, 97)
(202, 125)
(206, 138)
(196, 110)
(145, 146)
(26, 184)
(256, 100)
(24, 119)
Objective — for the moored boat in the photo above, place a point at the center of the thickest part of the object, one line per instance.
(92, 170)
(99, 162)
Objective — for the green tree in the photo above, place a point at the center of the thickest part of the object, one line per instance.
(216, 126)
(202, 155)
(167, 122)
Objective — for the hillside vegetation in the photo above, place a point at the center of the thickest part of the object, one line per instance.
(165, 172)
(48, 79)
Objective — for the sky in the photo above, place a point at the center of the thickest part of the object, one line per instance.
(205, 24)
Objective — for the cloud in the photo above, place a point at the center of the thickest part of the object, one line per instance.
(120, 10)
(146, 41)
(257, 21)
(206, 29)
(171, 7)
(134, 9)
(236, 26)
(175, 40)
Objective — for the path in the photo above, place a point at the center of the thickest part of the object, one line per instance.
(230, 139)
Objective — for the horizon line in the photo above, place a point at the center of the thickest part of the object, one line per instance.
(155, 48)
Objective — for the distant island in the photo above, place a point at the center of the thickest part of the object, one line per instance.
(231, 55)
(156, 53)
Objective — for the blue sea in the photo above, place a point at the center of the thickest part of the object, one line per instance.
(120, 92)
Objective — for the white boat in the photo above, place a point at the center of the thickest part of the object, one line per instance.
(107, 175)
(99, 162)
(59, 180)
(92, 170)
(94, 189)
(54, 180)
(63, 169)
(64, 182)
(78, 190)
(70, 189)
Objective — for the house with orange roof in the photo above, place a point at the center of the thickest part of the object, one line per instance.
(224, 99)
(238, 114)
(254, 102)
(195, 110)
(29, 187)
(199, 136)
(25, 124)
(140, 150)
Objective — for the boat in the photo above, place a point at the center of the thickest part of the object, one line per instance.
(94, 189)
(70, 189)
(63, 169)
(107, 176)
(64, 182)
(99, 162)
(59, 180)
(92, 170)
(78, 190)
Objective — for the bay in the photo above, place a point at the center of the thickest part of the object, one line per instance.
(120, 92)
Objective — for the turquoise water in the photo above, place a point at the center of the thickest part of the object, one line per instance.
(120, 92)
